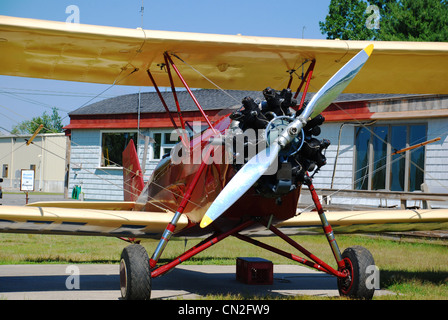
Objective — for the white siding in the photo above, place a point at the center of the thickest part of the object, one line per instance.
(97, 183)
(436, 166)
(84, 164)
(343, 173)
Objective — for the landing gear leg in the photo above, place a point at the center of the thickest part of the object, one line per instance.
(135, 276)
(354, 263)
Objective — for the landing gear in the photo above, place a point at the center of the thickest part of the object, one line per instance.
(357, 261)
(353, 271)
(352, 274)
(135, 276)
(353, 265)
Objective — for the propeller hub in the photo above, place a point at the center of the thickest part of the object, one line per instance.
(277, 127)
(291, 132)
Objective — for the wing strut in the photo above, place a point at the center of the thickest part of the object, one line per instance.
(182, 135)
(172, 225)
(154, 84)
(308, 75)
(168, 58)
(173, 89)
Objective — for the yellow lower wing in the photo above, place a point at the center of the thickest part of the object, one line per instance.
(372, 221)
(72, 221)
(45, 219)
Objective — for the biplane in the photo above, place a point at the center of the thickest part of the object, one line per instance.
(253, 161)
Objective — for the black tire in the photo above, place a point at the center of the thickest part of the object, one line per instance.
(135, 275)
(357, 261)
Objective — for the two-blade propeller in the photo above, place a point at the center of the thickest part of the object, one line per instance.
(260, 163)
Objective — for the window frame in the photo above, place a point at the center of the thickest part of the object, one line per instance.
(5, 170)
(389, 157)
(102, 132)
(163, 144)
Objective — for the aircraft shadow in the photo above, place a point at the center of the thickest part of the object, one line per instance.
(180, 282)
(58, 283)
(389, 277)
(225, 283)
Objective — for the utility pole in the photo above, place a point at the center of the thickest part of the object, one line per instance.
(142, 10)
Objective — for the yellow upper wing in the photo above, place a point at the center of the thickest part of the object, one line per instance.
(74, 52)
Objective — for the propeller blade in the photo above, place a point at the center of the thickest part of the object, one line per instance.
(322, 99)
(259, 164)
(334, 87)
(241, 182)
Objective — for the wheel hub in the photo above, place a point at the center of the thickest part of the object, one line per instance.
(346, 282)
(123, 278)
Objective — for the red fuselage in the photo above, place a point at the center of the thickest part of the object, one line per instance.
(170, 181)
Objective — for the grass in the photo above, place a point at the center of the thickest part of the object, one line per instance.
(412, 269)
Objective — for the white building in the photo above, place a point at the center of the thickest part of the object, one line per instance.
(365, 131)
(45, 155)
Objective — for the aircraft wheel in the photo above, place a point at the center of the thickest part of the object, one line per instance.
(135, 276)
(357, 260)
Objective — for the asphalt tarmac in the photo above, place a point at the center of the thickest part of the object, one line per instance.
(101, 282)
(19, 198)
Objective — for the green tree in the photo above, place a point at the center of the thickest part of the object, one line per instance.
(346, 21)
(415, 20)
(400, 20)
(52, 124)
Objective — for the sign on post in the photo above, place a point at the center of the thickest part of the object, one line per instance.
(27, 180)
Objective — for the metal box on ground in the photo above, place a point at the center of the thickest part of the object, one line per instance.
(254, 270)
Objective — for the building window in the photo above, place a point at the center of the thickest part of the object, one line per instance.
(5, 171)
(162, 144)
(112, 146)
(376, 165)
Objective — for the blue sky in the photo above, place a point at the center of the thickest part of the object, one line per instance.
(24, 98)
